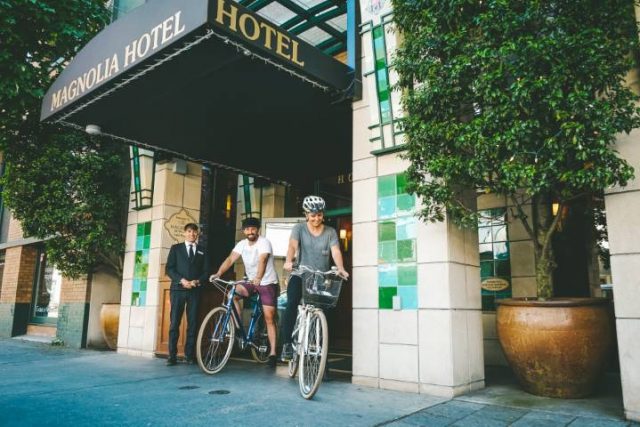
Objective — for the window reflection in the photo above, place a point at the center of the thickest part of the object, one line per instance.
(48, 282)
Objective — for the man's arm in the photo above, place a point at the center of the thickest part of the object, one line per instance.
(226, 265)
(262, 266)
(337, 259)
(170, 268)
(291, 253)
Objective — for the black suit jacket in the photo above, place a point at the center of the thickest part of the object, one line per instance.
(180, 267)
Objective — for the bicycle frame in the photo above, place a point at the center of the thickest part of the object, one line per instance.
(302, 319)
(245, 337)
(310, 337)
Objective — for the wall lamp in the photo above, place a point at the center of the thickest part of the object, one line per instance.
(93, 130)
(143, 167)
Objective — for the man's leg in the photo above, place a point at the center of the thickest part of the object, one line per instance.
(177, 299)
(270, 320)
(241, 292)
(192, 298)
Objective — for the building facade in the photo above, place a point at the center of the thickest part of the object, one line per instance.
(420, 310)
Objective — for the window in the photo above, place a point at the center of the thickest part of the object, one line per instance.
(495, 259)
(5, 214)
(382, 74)
(122, 7)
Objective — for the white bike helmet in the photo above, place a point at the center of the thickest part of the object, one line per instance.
(313, 204)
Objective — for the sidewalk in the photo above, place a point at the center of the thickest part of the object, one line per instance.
(43, 385)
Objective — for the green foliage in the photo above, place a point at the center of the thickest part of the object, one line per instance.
(61, 185)
(38, 37)
(71, 190)
(519, 98)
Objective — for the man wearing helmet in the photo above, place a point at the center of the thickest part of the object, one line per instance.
(257, 257)
(316, 244)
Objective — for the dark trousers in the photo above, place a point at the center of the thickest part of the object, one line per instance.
(294, 294)
(178, 301)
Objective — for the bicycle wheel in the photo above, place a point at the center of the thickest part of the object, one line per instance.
(261, 340)
(295, 357)
(313, 357)
(214, 343)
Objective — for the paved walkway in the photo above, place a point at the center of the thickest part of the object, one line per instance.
(44, 385)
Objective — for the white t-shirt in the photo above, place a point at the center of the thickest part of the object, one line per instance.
(250, 256)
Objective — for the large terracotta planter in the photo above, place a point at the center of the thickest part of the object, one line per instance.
(559, 347)
(109, 321)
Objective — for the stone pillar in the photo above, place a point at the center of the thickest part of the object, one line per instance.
(17, 287)
(176, 199)
(417, 324)
(623, 222)
(432, 344)
(73, 319)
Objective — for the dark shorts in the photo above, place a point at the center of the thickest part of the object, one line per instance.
(268, 293)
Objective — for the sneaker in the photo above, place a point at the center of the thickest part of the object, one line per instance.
(273, 361)
(287, 353)
(171, 362)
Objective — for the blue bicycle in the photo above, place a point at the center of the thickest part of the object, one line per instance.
(218, 331)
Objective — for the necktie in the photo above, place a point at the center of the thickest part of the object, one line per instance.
(190, 251)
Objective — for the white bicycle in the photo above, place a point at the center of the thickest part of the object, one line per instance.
(310, 337)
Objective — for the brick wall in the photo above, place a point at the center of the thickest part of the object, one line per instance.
(73, 318)
(15, 230)
(16, 290)
(75, 290)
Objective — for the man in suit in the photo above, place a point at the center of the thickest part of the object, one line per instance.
(188, 267)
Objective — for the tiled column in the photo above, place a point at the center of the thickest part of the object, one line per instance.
(450, 317)
(623, 221)
(417, 318)
(72, 323)
(147, 248)
(417, 323)
(17, 286)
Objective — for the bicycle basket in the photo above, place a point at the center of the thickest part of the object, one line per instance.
(321, 290)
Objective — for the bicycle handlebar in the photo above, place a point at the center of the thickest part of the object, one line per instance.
(218, 283)
(303, 268)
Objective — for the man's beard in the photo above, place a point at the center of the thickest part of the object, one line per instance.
(252, 237)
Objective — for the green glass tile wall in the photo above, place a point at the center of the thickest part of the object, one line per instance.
(495, 259)
(397, 235)
(141, 264)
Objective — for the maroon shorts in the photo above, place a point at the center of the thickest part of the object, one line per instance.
(268, 293)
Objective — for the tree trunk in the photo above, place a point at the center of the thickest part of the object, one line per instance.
(544, 270)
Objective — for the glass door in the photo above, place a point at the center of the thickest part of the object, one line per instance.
(46, 291)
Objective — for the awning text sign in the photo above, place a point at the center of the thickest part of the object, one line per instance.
(257, 31)
(267, 39)
(146, 44)
(159, 28)
(139, 35)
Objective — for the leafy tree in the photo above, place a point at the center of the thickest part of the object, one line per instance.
(59, 183)
(519, 98)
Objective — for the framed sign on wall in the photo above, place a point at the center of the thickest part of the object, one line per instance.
(278, 231)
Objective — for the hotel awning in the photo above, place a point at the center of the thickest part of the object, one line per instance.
(212, 81)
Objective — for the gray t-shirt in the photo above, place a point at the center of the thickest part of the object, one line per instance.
(314, 251)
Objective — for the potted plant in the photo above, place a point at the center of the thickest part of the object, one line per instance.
(523, 100)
